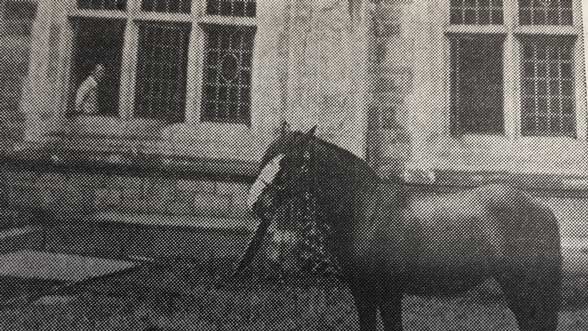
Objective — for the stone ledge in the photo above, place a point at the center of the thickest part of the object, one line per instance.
(560, 185)
(565, 185)
(245, 225)
(125, 163)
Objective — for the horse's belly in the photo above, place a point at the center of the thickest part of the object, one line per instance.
(429, 284)
(450, 259)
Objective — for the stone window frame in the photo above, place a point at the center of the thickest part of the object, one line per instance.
(513, 33)
(45, 96)
(3, 4)
(133, 15)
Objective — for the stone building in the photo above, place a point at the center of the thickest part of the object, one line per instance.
(450, 93)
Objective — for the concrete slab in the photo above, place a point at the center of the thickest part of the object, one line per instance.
(16, 239)
(55, 299)
(28, 264)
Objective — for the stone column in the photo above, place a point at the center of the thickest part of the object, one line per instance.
(327, 70)
(35, 80)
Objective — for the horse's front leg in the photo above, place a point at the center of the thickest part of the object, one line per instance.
(391, 312)
(366, 305)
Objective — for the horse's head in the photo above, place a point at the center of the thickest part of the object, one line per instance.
(298, 169)
(284, 172)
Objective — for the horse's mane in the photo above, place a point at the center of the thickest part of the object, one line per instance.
(350, 162)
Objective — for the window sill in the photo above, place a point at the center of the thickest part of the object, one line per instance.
(476, 29)
(553, 185)
(500, 139)
(549, 30)
(112, 126)
(143, 164)
(113, 134)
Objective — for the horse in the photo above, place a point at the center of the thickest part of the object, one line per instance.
(390, 241)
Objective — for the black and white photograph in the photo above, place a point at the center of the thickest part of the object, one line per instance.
(293, 165)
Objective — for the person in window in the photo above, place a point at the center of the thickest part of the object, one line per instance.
(87, 93)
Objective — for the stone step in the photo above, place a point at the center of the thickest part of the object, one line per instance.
(155, 236)
(16, 239)
(575, 256)
(190, 236)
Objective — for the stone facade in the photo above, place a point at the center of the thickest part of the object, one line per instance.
(309, 68)
(366, 72)
(15, 41)
(118, 213)
(409, 107)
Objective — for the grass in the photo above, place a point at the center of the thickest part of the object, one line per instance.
(270, 308)
(178, 300)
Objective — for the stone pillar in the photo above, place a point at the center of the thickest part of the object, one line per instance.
(270, 74)
(391, 68)
(419, 101)
(327, 70)
(39, 90)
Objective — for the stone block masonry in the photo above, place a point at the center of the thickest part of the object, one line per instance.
(390, 81)
(128, 214)
(15, 47)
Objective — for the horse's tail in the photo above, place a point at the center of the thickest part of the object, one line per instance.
(532, 260)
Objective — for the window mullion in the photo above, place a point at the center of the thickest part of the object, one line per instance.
(227, 20)
(580, 89)
(511, 87)
(511, 72)
(194, 77)
(129, 70)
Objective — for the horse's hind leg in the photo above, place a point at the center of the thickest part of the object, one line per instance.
(533, 296)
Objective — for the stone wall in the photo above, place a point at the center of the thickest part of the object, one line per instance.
(326, 70)
(15, 42)
(85, 212)
(390, 70)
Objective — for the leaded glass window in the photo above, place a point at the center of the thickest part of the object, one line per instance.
(167, 6)
(103, 4)
(478, 12)
(226, 93)
(477, 85)
(243, 8)
(547, 87)
(545, 12)
(161, 71)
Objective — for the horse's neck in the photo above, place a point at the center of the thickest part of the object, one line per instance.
(341, 189)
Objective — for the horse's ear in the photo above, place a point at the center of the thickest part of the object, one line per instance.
(284, 128)
(307, 137)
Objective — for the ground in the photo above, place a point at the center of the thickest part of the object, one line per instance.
(271, 309)
(183, 301)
